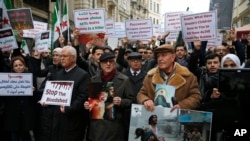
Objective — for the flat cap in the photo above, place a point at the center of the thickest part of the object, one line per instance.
(106, 56)
(108, 47)
(134, 55)
(128, 50)
(164, 48)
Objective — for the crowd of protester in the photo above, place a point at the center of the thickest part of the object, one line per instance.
(134, 68)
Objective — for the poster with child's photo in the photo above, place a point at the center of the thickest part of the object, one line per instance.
(101, 100)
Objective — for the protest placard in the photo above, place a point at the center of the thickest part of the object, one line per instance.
(90, 20)
(20, 18)
(110, 27)
(162, 125)
(38, 27)
(201, 26)
(57, 93)
(173, 20)
(16, 84)
(139, 29)
(7, 39)
(43, 41)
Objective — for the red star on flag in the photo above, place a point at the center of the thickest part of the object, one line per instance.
(64, 24)
(57, 29)
(5, 21)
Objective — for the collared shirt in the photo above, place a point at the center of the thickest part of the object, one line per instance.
(133, 72)
(70, 68)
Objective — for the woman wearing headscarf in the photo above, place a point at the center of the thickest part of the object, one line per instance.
(226, 109)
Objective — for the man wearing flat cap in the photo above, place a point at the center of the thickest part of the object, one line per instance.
(135, 72)
(111, 130)
(187, 94)
(136, 76)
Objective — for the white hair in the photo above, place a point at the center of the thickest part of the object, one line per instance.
(71, 49)
(58, 50)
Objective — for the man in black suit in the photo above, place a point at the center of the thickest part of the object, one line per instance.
(69, 122)
(135, 72)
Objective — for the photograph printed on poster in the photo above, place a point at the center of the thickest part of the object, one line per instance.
(101, 101)
(163, 125)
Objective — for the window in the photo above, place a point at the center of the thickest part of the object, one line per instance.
(150, 5)
(154, 7)
(158, 7)
(40, 4)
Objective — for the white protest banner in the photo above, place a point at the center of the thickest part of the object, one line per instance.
(43, 41)
(110, 27)
(90, 20)
(7, 39)
(172, 36)
(173, 20)
(139, 29)
(216, 42)
(119, 30)
(16, 84)
(38, 27)
(57, 93)
(202, 26)
(156, 30)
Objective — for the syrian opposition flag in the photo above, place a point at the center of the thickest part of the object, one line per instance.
(56, 28)
(65, 21)
(25, 47)
(6, 4)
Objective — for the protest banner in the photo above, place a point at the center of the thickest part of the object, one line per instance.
(7, 39)
(139, 29)
(57, 93)
(161, 124)
(173, 21)
(90, 20)
(201, 26)
(16, 84)
(43, 41)
(38, 27)
(21, 18)
(110, 27)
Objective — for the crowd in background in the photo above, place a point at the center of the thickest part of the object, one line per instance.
(134, 68)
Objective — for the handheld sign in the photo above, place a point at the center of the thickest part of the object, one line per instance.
(57, 93)
(20, 18)
(90, 20)
(16, 84)
(43, 41)
(7, 39)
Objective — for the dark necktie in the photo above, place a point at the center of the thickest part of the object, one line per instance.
(135, 73)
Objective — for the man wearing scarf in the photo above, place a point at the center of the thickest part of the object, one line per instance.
(112, 129)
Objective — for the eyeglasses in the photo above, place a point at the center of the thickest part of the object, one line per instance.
(220, 50)
(135, 60)
(65, 56)
(108, 61)
(145, 52)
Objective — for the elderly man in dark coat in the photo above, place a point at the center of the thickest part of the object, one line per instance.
(112, 130)
(66, 123)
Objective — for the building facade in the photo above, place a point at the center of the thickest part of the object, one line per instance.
(118, 10)
(241, 13)
(154, 7)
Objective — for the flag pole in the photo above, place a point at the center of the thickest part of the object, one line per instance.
(68, 19)
(59, 20)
